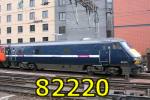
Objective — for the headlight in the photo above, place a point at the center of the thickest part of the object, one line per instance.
(137, 61)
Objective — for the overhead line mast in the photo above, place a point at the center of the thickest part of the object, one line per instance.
(90, 8)
(88, 4)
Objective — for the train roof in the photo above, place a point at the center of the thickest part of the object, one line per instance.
(106, 40)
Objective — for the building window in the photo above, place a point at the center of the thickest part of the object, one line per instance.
(45, 39)
(61, 2)
(32, 15)
(20, 17)
(8, 18)
(9, 6)
(32, 3)
(20, 29)
(0, 41)
(0, 19)
(32, 39)
(8, 41)
(45, 2)
(0, 8)
(45, 14)
(20, 40)
(8, 30)
(32, 28)
(62, 29)
(20, 4)
(0, 30)
(45, 27)
(62, 16)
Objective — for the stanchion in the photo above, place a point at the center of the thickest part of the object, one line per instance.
(126, 69)
(148, 61)
(148, 92)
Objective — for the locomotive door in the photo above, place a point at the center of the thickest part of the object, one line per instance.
(8, 52)
(11, 53)
(105, 54)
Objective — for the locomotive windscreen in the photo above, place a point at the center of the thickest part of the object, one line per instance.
(130, 50)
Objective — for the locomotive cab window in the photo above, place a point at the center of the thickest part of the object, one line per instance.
(116, 46)
(7, 51)
(2, 50)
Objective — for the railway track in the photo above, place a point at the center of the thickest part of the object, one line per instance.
(143, 76)
(24, 81)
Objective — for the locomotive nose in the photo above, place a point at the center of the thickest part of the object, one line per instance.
(2, 57)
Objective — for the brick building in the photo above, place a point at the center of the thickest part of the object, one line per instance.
(132, 22)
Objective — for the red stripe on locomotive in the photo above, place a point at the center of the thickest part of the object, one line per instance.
(2, 54)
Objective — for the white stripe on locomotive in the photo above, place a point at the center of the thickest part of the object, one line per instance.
(59, 56)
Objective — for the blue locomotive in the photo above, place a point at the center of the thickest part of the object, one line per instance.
(111, 56)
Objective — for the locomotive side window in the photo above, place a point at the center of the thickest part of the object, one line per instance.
(20, 52)
(36, 51)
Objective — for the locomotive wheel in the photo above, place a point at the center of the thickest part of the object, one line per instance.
(1, 65)
(32, 66)
(136, 72)
(5, 65)
(22, 66)
(89, 70)
(113, 71)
